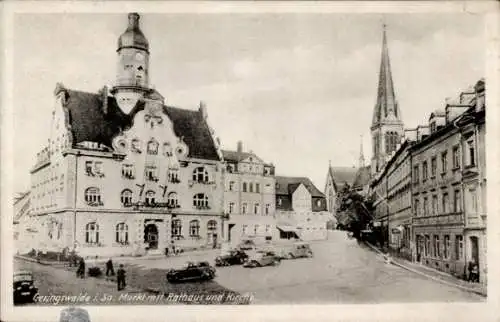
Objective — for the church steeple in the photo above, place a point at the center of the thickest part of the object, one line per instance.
(361, 154)
(387, 125)
(386, 108)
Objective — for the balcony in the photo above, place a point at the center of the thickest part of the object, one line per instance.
(453, 218)
(202, 207)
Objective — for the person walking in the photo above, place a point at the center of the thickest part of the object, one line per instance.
(109, 268)
(120, 278)
(81, 268)
(471, 270)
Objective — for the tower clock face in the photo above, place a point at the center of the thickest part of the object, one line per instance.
(139, 56)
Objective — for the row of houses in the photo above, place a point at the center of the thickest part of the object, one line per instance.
(431, 193)
(123, 171)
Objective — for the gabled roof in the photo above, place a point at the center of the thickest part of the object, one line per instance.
(342, 175)
(362, 178)
(288, 185)
(89, 122)
(238, 156)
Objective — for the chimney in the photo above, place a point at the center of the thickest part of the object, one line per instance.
(240, 147)
(203, 109)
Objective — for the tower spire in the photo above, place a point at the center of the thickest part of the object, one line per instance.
(386, 107)
(361, 154)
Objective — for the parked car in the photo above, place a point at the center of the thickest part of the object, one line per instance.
(299, 250)
(192, 271)
(233, 257)
(24, 287)
(246, 245)
(262, 258)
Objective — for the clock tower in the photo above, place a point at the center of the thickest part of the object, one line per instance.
(132, 76)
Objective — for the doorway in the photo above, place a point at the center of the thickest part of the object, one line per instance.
(151, 236)
(474, 247)
(229, 228)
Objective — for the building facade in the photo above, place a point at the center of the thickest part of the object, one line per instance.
(301, 210)
(123, 173)
(337, 178)
(399, 201)
(472, 128)
(249, 197)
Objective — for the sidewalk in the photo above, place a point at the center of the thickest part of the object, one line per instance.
(433, 274)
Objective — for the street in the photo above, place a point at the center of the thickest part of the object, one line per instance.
(341, 271)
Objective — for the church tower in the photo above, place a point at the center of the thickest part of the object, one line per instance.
(387, 126)
(132, 76)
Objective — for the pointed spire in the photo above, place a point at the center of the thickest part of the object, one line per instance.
(361, 154)
(386, 107)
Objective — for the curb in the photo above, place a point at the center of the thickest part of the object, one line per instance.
(471, 290)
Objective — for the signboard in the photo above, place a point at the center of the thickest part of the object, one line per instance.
(150, 205)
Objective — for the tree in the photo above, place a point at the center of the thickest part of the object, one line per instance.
(355, 211)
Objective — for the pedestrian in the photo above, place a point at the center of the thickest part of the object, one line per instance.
(470, 268)
(475, 272)
(81, 268)
(120, 278)
(109, 268)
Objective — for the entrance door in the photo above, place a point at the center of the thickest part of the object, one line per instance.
(474, 244)
(151, 236)
(229, 228)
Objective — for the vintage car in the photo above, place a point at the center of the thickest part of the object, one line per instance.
(298, 250)
(246, 245)
(262, 258)
(233, 257)
(24, 287)
(192, 271)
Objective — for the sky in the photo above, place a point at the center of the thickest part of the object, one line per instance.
(296, 89)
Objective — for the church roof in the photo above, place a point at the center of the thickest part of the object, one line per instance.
(288, 185)
(386, 108)
(342, 175)
(362, 177)
(88, 121)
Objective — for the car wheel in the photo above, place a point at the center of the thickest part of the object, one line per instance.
(291, 256)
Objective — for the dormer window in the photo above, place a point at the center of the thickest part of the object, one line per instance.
(153, 147)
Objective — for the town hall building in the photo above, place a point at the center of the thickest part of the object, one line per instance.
(123, 172)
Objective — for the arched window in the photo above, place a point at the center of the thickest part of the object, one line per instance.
(150, 197)
(176, 227)
(172, 200)
(126, 197)
(250, 187)
(92, 233)
(122, 233)
(200, 201)
(200, 174)
(93, 196)
(244, 187)
(212, 225)
(194, 228)
(152, 147)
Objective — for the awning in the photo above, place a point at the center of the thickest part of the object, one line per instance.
(287, 228)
